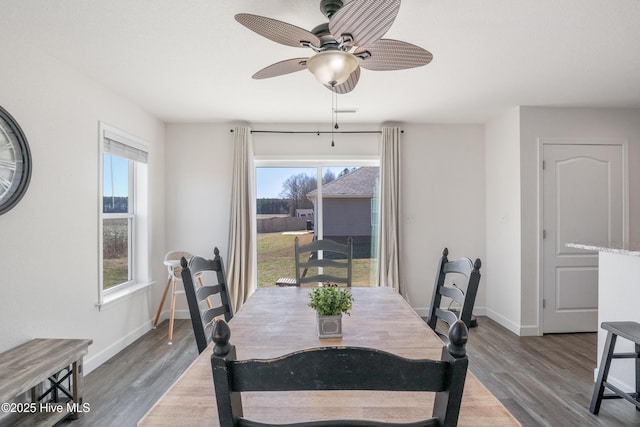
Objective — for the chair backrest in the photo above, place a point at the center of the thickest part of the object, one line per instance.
(196, 275)
(339, 368)
(461, 267)
(335, 262)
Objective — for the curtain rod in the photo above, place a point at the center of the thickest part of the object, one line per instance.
(317, 132)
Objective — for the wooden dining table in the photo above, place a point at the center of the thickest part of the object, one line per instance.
(277, 320)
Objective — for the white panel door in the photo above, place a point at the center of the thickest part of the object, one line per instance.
(582, 202)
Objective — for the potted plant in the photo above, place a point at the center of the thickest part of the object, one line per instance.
(329, 302)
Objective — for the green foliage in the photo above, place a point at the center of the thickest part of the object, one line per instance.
(330, 300)
(115, 272)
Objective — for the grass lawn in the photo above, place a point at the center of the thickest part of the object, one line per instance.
(276, 259)
(115, 272)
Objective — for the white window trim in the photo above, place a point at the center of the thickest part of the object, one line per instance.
(308, 162)
(140, 273)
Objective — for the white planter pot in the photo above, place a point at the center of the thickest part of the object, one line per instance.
(329, 326)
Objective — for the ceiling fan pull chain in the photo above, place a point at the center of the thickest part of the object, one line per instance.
(335, 111)
(334, 117)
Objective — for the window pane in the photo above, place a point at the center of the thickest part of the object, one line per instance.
(115, 244)
(287, 207)
(283, 212)
(349, 200)
(116, 184)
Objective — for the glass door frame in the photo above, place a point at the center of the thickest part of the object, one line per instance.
(301, 162)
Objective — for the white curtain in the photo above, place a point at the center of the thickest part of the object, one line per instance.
(240, 265)
(388, 255)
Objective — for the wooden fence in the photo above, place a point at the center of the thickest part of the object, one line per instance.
(280, 224)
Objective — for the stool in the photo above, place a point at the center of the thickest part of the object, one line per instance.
(631, 332)
(174, 271)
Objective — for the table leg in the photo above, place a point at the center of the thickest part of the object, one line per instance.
(78, 387)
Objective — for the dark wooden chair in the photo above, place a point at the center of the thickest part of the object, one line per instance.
(631, 332)
(336, 262)
(291, 281)
(339, 368)
(202, 316)
(469, 272)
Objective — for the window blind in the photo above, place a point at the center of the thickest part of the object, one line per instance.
(119, 146)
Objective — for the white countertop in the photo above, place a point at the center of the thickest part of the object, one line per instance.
(611, 247)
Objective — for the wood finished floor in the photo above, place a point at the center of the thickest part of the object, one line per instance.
(543, 381)
(121, 390)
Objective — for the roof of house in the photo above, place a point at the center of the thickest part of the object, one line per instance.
(359, 183)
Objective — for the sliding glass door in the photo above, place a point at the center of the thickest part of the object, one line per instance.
(337, 202)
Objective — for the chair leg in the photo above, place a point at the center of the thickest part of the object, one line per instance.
(164, 297)
(603, 373)
(638, 375)
(172, 312)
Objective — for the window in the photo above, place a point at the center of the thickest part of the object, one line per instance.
(123, 212)
(331, 201)
(117, 220)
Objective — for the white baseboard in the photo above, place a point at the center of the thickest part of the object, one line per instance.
(98, 359)
(519, 330)
(480, 311)
(529, 331)
(178, 314)
(513, 327)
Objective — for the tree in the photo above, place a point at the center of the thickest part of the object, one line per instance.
(296, 188)
(328, 176)
(346, 171)
(271, 206)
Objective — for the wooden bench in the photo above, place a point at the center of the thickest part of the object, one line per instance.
(27, 368)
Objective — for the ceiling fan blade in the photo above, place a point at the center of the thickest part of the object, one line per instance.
(277, 31)
(347, 86)
(388, 54)
(365, 20)
(280, 68)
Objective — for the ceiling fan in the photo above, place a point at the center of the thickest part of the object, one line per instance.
(350, 40)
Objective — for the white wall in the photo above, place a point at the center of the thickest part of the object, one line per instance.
(198, 191)
(49, 241)
(502, 271)
(537, 123)
(438, 161)
(312, 146)
(442, 204)
(198, 182)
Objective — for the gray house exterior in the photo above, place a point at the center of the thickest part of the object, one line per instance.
(350, 207)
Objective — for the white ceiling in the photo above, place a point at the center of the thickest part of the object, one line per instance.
(190, 61)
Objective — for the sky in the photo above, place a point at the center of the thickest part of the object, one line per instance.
(269, 180)
(120, 183)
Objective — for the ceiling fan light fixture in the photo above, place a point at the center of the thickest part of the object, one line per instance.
(332, 67)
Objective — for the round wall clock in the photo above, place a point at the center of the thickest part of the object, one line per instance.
(15, 162)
